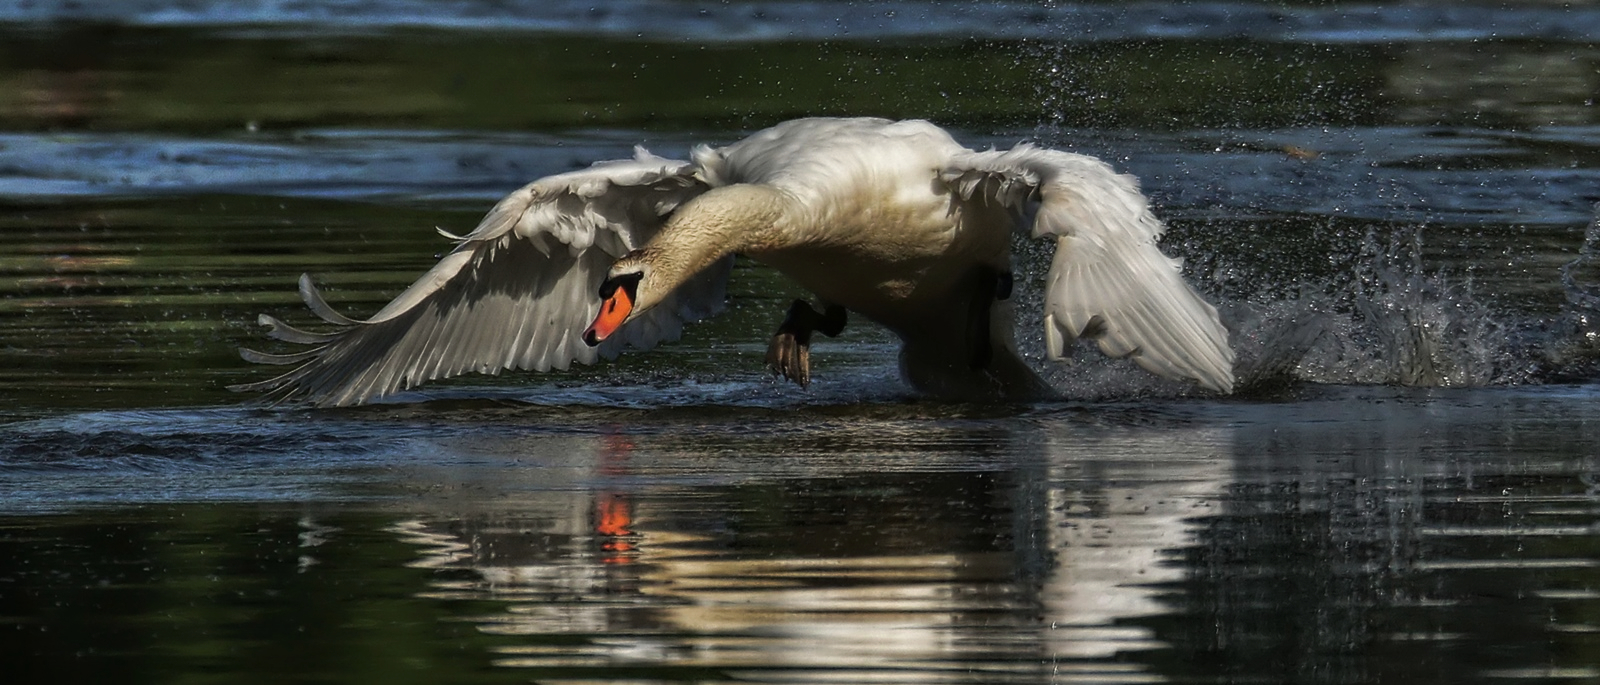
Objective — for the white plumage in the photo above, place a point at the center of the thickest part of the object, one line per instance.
(894, 221)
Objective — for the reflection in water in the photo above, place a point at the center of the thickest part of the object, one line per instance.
(1399, 539)
(1328, 540)
(914, 577)
(1357, 535)
(1502, 84)
(1122, 510)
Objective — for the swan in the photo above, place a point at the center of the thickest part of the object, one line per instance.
(893, 221)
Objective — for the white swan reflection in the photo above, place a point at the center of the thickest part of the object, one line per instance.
(863, 576)
(1118, 520)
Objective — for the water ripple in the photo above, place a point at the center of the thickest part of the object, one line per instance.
(1390, 174)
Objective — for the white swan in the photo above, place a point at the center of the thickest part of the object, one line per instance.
(892, 220)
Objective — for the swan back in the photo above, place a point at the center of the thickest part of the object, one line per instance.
(814, 157)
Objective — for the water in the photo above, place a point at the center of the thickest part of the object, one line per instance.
(1390, 201)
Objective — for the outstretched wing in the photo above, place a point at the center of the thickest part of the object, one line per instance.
(1108, 281)
(515, 293)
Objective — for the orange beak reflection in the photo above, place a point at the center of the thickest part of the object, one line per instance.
(613, 311)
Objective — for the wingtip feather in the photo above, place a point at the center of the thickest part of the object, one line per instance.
(319, 306)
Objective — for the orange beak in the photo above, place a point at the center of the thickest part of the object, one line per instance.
(613, 310)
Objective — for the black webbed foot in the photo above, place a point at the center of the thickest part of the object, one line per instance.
(789, 352)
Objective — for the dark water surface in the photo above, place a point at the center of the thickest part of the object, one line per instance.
(1389, 200)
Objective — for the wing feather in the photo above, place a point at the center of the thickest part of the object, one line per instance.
(515, 292)
(1108, 280)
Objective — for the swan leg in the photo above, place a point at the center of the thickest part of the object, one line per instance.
(789, 352)
(990, 285)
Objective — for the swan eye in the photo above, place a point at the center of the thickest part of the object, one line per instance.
(629, 281)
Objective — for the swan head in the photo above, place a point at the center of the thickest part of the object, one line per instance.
(716, 224)
(619, 300)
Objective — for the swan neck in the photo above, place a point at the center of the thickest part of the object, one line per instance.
(721, 222)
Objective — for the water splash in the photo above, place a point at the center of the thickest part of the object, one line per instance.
(1392, 321)
(1387, 317)
(1580, 281)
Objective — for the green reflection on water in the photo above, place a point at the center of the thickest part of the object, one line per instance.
(166, 79)
(192, 594)
(140, 303)
(152, 79)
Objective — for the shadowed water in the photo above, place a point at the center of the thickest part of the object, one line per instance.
(1391, 203)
